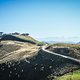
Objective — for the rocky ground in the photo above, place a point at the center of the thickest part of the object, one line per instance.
(26, 61)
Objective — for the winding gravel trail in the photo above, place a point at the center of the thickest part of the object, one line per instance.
(67, 57)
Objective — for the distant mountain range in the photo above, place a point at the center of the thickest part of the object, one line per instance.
(61, 39)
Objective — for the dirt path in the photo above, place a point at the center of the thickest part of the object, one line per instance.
(67, 57)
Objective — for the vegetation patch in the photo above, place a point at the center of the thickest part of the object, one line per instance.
(71, 76)
(21, 38)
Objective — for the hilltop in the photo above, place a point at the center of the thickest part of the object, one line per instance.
(21, 37)
(22, 59)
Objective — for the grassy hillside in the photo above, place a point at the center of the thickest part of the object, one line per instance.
(30, 63)
(72, 50)
(77, 46)
(26, 38)
(15, 50)
(21, 38)
(29, 38)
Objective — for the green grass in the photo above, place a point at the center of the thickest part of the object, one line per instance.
(77, 46)
(26, 38)
(30, 39)
(22, 38)
(71, 76)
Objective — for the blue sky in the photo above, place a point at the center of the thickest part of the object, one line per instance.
(41, 18)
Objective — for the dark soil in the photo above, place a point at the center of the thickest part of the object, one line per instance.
(73, 52)
(38, 67)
